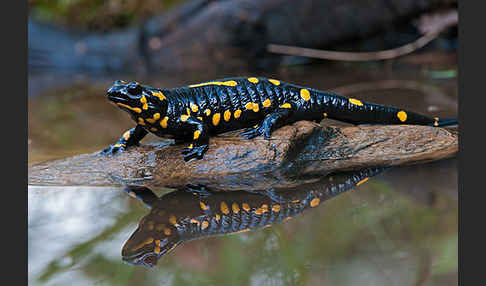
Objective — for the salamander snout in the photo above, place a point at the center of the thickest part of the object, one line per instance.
(122, 91)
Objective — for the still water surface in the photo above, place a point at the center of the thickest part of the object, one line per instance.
(398, 228)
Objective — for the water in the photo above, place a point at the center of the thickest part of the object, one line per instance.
(398, 228)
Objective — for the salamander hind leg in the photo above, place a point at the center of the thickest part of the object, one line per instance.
(130, 138)
(272, 122)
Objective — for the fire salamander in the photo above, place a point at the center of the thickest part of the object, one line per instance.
(194, 113)
(196, 212)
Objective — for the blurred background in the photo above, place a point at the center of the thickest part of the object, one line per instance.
(398, 229)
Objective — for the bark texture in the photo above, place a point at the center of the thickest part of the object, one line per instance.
(295, 154)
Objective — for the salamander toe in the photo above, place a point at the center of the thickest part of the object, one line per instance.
(113, 149)
(194, 152)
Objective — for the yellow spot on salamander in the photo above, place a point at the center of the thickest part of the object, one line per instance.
(267, 103)
(119, 145)
(173, 220)
(153, 129)
(256, 107)
(163, 123)
(204, 225)
(196, 134)
(195, 221)
(203, 206)
(190, 146)
(216, 118)
(235, 208)
(436, 123)
(355, 101)
(147, 241)
(402, 115)
(314, 202)
(305, 94)
(274, 81)
(141, 121)
(184, 118)
(252, 106)
(224, 208)
(136, 109)
(245, 206)
(188, 111)
(324, 114)
(207, 112)
(159, 94)
(276, 208)
(264, 208)
(286, 105)
(167, 231)
(227, 115)
(237, 113)
(126, 135)
(362, 181)
(143, 100)
(155, 118)
(218, 217)
(200, 118)
(240, 231)
(253, 79)
(157, 249)
(194, 107)
(225, 83)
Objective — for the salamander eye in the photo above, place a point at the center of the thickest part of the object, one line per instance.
(134, 88)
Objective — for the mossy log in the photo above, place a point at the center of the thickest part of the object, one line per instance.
(295, 154)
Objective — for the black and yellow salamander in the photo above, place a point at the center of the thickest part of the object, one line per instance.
(194, 113)
(196, 212)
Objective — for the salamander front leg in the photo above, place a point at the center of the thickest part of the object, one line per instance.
(130, 138)
(272, 122)
(200, 140)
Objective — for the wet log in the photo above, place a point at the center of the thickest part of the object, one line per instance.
(295, 154)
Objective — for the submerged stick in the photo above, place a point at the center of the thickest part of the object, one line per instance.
(293, 155)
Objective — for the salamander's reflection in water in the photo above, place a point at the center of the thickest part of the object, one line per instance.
(196, 212)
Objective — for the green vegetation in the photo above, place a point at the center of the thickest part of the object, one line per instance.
(98, 15)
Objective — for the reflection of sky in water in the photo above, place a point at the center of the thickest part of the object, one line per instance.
(60, 217)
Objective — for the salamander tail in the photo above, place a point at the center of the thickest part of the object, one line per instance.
(444, 122)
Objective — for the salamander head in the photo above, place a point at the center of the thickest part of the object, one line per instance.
(141, 101)
(153, 238)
